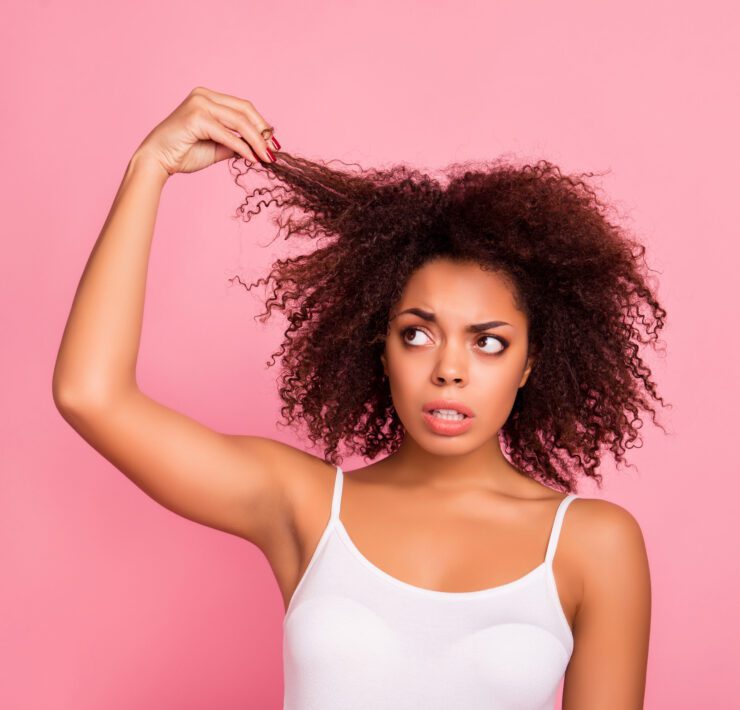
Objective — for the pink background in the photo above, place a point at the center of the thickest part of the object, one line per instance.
(110, 600)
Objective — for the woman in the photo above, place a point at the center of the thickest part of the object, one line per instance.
(438, 322)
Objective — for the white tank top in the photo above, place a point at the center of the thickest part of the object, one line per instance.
(357, 638)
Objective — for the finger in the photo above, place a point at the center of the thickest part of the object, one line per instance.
(217, 132)
(244, 105)
(237, 121)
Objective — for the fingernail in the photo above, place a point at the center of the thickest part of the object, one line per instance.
(275, 143)
(270, 153)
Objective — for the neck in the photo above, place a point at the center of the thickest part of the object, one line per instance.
(485, 466)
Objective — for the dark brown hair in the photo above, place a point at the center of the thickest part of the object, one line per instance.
(580, 280)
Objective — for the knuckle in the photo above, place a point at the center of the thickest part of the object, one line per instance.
(246, 128)
(197, 102)
(193, 117)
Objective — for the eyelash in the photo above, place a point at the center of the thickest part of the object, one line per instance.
(480, 337)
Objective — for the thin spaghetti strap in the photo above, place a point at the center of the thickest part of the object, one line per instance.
(336, 501)
(557, 526)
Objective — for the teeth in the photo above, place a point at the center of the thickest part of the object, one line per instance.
(448, 414)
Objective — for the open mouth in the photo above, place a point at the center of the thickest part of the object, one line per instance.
(447, 424)
(448, 414)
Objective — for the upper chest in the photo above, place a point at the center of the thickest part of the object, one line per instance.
(451, 542)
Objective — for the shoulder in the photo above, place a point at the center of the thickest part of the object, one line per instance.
(614, 610)
(300, 476)
(301, 472)
(605, 526)
(608, 542)
(307, 482)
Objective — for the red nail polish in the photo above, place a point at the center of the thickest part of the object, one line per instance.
(275, 143)
(270, 153)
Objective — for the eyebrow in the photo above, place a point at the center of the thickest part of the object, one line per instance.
(474, 328)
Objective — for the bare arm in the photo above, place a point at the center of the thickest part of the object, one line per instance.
(612, 627)
(97, 356)
(100, 344)
(233, 483)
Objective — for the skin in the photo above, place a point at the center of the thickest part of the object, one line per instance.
(442, 361)
(445, 513)
(450, 513)
(456, 494)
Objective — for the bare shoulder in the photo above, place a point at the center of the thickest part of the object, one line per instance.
(288, 462)
(614, 610)
(605, 527)
(603, 512)
(603, 533)
(296, 472)
(306, 482)
(278, 483)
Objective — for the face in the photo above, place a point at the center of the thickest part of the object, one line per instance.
(434, 354)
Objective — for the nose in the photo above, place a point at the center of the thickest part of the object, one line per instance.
(450, 368)
(442, 380)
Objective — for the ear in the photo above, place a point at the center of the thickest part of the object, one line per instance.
(527, 370)
(385, 364)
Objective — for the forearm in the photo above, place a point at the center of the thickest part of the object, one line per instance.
(99, 348)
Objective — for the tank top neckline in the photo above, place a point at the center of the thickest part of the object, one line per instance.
(544, 566)
(508, 645)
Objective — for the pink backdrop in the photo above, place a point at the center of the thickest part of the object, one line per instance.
(111, 601)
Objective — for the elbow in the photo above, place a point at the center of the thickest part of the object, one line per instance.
(69, 398)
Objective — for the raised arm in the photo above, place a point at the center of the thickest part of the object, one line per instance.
(234, 483)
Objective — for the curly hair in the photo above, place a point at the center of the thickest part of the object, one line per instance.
(578, 278)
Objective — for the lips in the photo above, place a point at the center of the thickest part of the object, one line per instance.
(448, 404)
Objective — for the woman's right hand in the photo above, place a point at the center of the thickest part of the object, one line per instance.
(199, 132)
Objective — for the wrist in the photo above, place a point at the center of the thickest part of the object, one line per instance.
(142, 162)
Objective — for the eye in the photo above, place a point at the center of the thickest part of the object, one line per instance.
(501, 344)
(405, 331)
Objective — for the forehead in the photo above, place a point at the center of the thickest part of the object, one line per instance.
(460, 290)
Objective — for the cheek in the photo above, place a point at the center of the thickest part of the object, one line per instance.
(493, 388)
(502, 376)
(409, 383)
